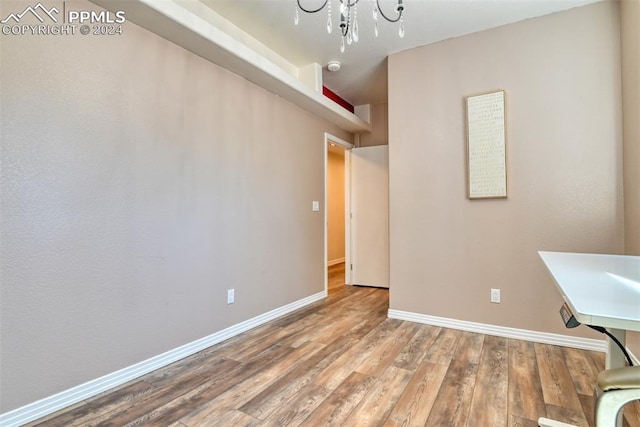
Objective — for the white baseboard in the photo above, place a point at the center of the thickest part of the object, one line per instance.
(335, 261)
(61, 400)
(502, 331)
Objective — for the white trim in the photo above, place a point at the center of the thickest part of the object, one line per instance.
(325, 217)
(502, 331)
(348, 257)
(634, 358)
(61, 400)
(335, 261)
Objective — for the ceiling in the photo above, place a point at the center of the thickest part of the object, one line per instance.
(363, 77)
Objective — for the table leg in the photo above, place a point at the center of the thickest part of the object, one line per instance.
(615, 358)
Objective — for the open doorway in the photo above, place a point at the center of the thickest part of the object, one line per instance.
(337, 251)
(336, 210)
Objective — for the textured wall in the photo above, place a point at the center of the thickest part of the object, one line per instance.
(139, 183)
(561, 74)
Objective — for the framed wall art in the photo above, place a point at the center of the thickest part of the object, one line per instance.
(486, 146)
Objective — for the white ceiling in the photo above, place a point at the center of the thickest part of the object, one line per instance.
(363, 77)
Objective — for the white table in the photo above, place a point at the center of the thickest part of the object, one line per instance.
(601, 290)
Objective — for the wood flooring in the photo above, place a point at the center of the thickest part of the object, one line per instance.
(342, 362)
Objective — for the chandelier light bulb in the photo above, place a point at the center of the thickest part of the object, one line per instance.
(355, 31)
(356, 35)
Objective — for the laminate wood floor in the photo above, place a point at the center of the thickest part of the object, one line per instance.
(342, 362)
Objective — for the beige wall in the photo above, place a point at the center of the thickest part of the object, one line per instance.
(379, 127)
(139, 183)
(335, 205)
(561, 74)
(630, 23)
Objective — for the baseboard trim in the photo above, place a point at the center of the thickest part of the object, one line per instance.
(335, 261)
(502, 331)
(51, 404)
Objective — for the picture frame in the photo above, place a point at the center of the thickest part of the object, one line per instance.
(486, 145)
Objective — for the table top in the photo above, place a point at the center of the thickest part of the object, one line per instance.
(601, 290)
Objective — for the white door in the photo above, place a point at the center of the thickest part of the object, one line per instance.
(370, 216)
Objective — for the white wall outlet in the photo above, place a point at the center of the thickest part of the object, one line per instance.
(315, 206)
(495, 296)
(231, 296)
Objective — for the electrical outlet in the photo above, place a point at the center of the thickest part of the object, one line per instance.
(495, 296)
(231, 296)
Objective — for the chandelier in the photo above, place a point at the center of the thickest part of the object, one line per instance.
(349, 19)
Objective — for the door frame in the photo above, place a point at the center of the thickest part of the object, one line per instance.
(328, 139)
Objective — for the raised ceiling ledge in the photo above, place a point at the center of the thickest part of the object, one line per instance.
(181, 26)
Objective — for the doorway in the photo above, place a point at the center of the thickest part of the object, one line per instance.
(337, 188)
(366, 214)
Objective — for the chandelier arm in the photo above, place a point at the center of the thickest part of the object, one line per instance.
(310, 10)
(385, 16)
(350, 4)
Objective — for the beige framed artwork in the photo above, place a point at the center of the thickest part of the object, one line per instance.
(486, 146)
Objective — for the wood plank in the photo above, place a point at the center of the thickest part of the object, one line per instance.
(414, 406)
(175, 400)
(259, 344)
(567, 415)
(234, 418)
(377, 404)
(526, 400)
(515, 421)
(164, 397)
(453, 401)
(342, 367)
(588, 408)
(324, 330)
(631, 413)
(380, 359)
(60, 418)
(241, 393)
(412, 354)
(584, 371)
(489, 404)
(557, 385)
(293, 412)
(339, 329)
(469, 347)
(339, 404)
(267, 401)
(443, 346)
